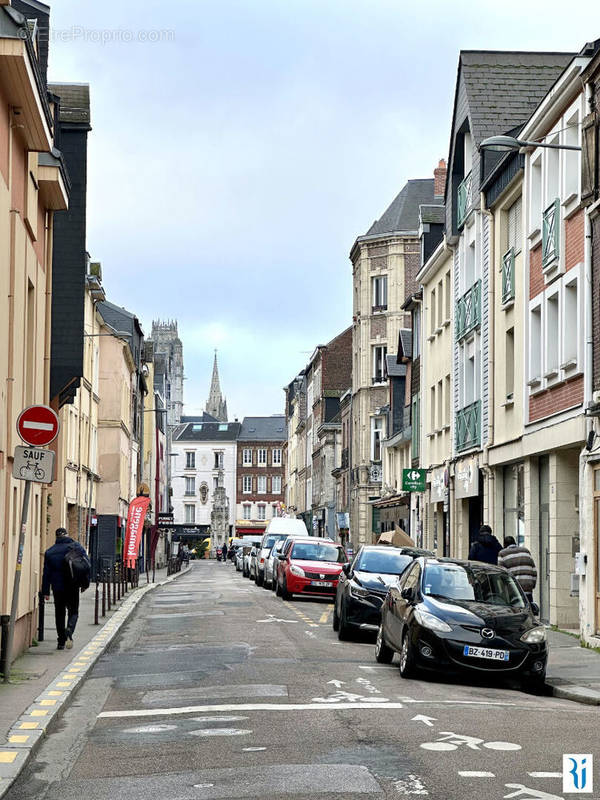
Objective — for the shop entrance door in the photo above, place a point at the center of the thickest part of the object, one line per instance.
(544, 537)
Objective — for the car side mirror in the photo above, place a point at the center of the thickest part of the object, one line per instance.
(535, 609)
(346, 568)
(407, 594)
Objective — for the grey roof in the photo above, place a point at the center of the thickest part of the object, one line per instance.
(402, 215)
(405, 343)
(395, 370)
(504, 88)
(119, 318)
(263, 429)
(74, 101)
(435, 215)
(204, 417)
(207, 432)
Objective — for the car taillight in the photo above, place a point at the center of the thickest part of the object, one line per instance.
(262, 561)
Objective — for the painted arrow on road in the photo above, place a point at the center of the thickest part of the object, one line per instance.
(337, 684)
(427, 720)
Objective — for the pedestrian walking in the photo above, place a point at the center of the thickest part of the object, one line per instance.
(224, 551)
(67, 571)
(486, 547)
(517, 559)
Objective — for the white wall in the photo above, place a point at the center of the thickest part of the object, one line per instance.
(204, 472)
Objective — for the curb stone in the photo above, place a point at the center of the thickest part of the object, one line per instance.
(29, 730)
(578, 694)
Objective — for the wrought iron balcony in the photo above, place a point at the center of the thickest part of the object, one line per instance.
(463, 200)
(468, 310)
(551, 233)
(508, 276)
(468, 426)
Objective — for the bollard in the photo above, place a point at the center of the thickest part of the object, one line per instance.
(118, 579)
(103, 595)
(107, 573)
(96, 603)
(114, 584)
(41, 610)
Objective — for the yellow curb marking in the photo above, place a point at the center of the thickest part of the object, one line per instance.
(64, 683)
(39, 712)
(325, 616)
(8, 756)
(28, 726)
(18, 738)
(55, 694)
(47, 702)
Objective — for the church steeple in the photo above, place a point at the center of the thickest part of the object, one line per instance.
(216, 405)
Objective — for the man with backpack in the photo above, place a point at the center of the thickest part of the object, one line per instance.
(67, 570)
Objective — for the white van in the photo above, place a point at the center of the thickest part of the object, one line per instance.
(278, 528)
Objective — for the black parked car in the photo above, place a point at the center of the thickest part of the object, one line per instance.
(364, 583)
(462, 615)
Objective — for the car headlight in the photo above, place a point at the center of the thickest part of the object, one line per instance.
(535, 636)
(297, 571)
(432, 622)
(358, 591)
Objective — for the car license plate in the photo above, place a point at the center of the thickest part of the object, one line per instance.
(325, 584)
(485, 652)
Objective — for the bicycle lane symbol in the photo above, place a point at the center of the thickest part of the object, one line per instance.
(448, 741)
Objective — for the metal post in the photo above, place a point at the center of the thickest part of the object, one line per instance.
(41, 612)
(118, 580)
(103, 594)
(114, 584)
(96, 603)
(17, 583)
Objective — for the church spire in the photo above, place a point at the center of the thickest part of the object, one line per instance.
(216, 405)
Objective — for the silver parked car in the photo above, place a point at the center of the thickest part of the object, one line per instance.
(270, 561)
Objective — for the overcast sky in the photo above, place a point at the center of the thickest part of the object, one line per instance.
(240, 146)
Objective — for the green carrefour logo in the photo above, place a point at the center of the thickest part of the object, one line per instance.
(413, 480)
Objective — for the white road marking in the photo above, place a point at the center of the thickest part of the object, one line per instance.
(411, 785)
(502, 746)
(203, 785)
(311, 634)
(273, 618)
(528, 794)
(439, 746)
(152, 729)
(427, 720)
(376, 666)
(337, 684)
(220, 732)
(219, 719)
(466, 773)
(253, 749)
(165, 712)
(545, 774)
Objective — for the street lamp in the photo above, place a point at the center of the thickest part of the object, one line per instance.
(505, 144)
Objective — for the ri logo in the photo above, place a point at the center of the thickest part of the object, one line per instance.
(578, 773)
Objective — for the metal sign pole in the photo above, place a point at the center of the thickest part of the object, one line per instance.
(17, 583)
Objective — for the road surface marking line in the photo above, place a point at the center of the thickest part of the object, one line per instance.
(18, 738)
(55, 694)
(64, 683)
(325, 616)
(28, 726)
(48, 702)
(162, 712)
(8, 756)
(39, 712)
(545, 774)
(475, 774)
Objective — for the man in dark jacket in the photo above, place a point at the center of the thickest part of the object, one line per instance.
(486, 547)
(224, 551)
(66, 594)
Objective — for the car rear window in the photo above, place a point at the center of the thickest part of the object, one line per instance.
(385, 563)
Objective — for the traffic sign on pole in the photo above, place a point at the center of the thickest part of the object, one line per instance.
(38, 426)
(33, 464)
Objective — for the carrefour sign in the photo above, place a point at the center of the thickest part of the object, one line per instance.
(413, 480)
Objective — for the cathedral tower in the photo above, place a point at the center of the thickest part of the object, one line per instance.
(217, 404)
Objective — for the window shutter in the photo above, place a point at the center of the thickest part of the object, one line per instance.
(589, 155)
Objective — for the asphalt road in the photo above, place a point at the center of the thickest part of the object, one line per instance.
(218, 689)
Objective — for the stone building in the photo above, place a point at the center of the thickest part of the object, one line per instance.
(168, 367)
(260, 473)
(216, 405)
(385, 262)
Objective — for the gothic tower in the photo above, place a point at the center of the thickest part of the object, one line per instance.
(217, 404)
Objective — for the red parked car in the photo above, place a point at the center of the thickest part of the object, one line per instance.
(309, 566)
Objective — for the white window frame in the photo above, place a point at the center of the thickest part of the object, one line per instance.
(376, 379)
(190, 481)
(377, 427)
(247, 457)
(247, 484)
(190, 459)
(261, 481)
(276, 457)
(189, 511)
(261, 457)
(551, 372)
(276, 484)
(247, 511)
(573, 278)
(262, 511)
(379, 292)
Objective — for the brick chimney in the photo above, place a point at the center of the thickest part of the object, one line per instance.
(439, 179)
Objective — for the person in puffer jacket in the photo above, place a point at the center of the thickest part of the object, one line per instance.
(486, 547)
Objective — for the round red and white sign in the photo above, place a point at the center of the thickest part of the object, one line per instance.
(38, 426)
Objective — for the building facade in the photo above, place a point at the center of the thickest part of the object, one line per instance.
(260, 473)
(168, 368)
(385, 262)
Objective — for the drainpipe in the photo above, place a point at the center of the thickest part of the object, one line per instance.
(491, 365)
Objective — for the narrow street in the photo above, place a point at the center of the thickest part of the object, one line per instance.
(218, 689)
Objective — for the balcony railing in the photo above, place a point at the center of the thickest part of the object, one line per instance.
(463, 199)
(508, 276)
(468, 311)
(551, 233)
(468, 426)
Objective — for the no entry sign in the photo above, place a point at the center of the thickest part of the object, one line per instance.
(38, 426)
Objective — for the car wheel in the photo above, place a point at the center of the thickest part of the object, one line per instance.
(274, 583)
(344, 629)
(534, 684)
(259, 579)
(284, 592)
(407, 659)
(383, 653)
(266, 584)
(278, 589)
(336, 619)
